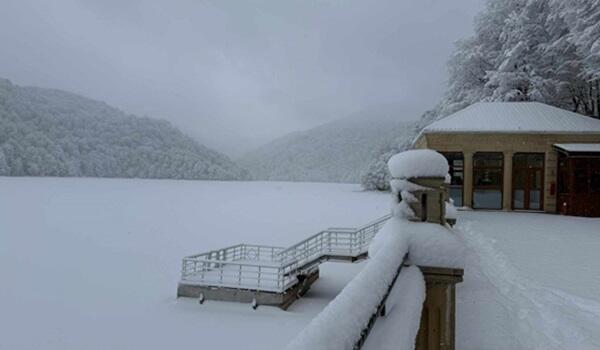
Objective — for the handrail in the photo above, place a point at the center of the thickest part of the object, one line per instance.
(380, 309)
(212, 268)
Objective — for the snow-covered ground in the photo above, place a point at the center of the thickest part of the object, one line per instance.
(94, 263)
(532, 281)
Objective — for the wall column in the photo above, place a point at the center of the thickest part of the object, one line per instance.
(468, 179)
(437, 327)
(507, 181)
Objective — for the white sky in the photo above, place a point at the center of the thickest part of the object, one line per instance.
(235, 74)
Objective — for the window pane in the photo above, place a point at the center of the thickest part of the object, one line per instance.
(519, 180)
(563, 176)
(534, 199)
(581, 180)
(456, 195)
(528, 160)
(595, 176)
(519, 200)
(487, 160)
(457, 178)
(520, 160)
(487, 177)
(537, 180)
(487, 199)
(455, 162)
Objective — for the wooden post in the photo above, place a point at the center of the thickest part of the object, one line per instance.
(439, 309)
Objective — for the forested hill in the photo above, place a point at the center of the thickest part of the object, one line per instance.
(522, 50)
(46, 132)
(339, 151)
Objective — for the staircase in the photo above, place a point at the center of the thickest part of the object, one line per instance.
(271, 275)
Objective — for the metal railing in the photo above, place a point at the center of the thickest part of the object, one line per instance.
(275, 269)
(380, 311)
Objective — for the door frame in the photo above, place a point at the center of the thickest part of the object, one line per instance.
(528, 179)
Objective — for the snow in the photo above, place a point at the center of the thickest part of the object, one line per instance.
(418, 163)
(531, 282)
(340, 324)
(434, 245)
(514, 117)
(428, 244)
(579, 147)
(94, 263)
(399, 328)
(451, 211)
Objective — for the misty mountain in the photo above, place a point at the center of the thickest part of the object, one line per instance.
(46, 132)
(339, 151)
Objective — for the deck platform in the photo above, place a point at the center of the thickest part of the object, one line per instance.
(266, 275)
(282, 300)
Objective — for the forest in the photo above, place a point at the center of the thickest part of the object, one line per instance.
(45, 132)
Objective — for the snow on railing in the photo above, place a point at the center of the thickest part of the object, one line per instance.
(347, 320)
(274, 269)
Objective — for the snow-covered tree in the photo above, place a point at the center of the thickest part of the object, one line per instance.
(53, 133)
(4, 169)
(338, 151)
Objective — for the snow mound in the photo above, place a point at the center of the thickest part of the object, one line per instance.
(399, 328)
(428, 244)
(433, 245)
(451, 211)
(418, 163)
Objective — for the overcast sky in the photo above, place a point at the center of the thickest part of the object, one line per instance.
(235, 74)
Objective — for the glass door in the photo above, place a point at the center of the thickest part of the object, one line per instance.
(528, 181)
(487, 180)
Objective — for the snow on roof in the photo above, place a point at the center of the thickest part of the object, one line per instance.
(579, 147)
(514, 117)
(418, 163)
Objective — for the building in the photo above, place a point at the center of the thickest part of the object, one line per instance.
(520, 156)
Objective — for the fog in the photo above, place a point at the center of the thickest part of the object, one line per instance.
(235, 74)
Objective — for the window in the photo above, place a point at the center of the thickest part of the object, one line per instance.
(586, 175)
(455, 162)
(487, 180)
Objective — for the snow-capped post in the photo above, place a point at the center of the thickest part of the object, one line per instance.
(419, 194)
(414, 262)
(419, 179)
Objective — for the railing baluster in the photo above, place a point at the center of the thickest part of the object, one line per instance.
(274, 267)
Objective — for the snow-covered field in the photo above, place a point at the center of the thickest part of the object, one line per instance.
(94, 263)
